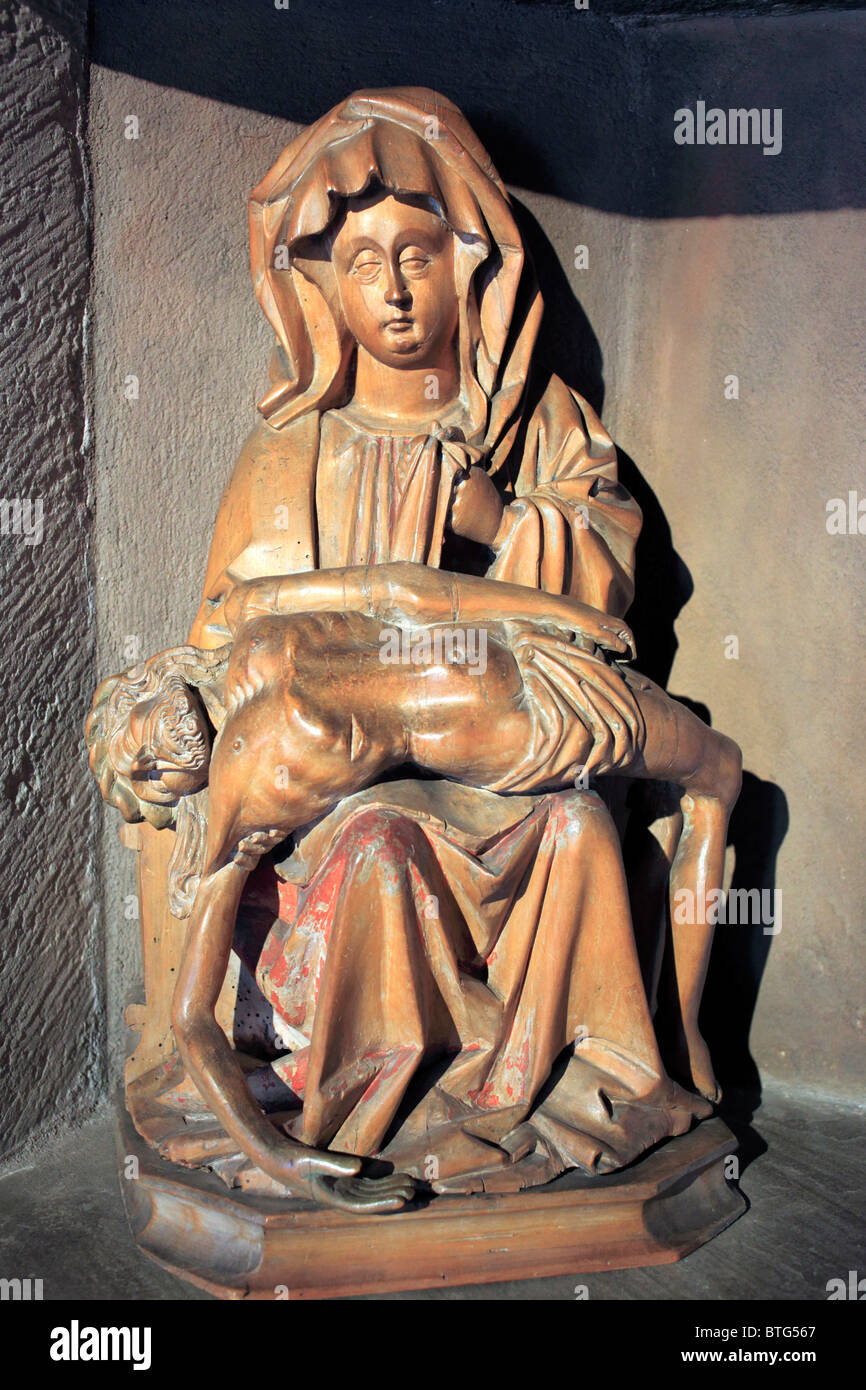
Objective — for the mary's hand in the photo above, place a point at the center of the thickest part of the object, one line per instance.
(476, 507)
(250, 600)
(597, 693)
(367, 1196)
(605, 631)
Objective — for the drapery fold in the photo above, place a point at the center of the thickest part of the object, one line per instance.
(496, 958)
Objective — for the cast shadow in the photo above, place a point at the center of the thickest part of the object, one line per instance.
(579, 104)
(758, 827)
(663, 586)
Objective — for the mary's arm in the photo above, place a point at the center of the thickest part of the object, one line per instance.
(571, 527)
(409, 594)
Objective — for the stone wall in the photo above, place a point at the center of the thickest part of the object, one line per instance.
(51, 982)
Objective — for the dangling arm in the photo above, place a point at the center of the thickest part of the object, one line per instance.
(209, 1059)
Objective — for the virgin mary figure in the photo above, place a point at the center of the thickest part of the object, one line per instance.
(453, 971)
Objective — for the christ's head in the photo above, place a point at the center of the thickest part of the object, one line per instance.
(159, 743)
(149, 736)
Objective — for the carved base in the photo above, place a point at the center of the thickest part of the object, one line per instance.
(240, 1246)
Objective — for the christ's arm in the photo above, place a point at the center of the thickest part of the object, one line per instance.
(212, 1064)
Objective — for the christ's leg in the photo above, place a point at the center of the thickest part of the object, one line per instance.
(707, 765)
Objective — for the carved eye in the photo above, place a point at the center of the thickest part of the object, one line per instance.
(414, 261)
(238, 744)
(366, 268)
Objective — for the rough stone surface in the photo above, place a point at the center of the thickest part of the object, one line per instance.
(702, 263)
(51, 1041)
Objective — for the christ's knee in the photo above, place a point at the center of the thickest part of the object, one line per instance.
(720, 773)
(579, 816)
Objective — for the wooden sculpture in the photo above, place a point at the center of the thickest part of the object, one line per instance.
(409, 970)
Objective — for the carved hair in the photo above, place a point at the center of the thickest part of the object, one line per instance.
(186, 865)
(170, 672)
(173, 673)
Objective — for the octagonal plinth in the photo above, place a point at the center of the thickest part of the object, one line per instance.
(237, 1245)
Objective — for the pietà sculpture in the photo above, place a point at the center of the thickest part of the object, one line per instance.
(378, 759)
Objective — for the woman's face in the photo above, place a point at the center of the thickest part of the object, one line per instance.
(395, 271)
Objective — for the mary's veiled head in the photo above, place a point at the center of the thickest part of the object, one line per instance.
(366, 170)
(394, 264)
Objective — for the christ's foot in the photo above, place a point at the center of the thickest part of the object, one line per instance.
(698, 1066)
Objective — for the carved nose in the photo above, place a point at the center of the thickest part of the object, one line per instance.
(397, 294)
(141, 761)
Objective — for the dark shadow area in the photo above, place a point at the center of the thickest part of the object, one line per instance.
(663, 583)
(663, 586)
(576, 103)
(757, 829)
(566, 344)
(255, 1021)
